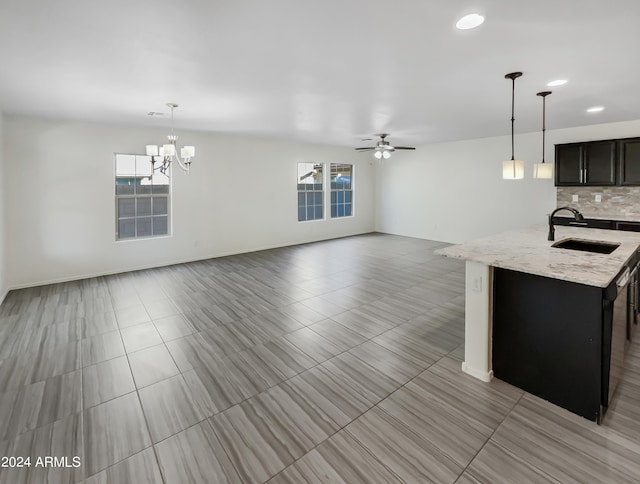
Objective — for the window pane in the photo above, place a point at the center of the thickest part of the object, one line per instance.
(126, 207)
(160, 189)
(143, 166)
(160, 206)
(124, 189)
(310, 174)
(126, 228)
(143, 186)
(347, 210)
(160, 225)
(125, 165)
(143, 206)
(143, 226)
(159, 179)
(318, 213)
(302, 213)
(334, 210)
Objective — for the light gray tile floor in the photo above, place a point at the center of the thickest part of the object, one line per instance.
(337, 361)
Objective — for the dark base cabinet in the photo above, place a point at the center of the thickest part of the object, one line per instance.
(552, 338)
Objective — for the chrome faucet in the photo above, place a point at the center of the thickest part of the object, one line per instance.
(577, 215)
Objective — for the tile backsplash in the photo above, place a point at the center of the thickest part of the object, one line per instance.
(620, 203)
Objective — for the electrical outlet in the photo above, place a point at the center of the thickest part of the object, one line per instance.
(597, 197)
(574, 198)
(477, 284)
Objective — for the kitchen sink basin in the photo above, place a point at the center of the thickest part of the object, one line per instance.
(587, 245)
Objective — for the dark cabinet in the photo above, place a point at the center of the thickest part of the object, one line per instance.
(569, 164)
(592, 163)
(629, 161)
(599, 159)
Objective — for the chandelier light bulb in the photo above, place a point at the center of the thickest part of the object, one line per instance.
(378, 155)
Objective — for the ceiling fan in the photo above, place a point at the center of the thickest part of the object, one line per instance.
(383, 148)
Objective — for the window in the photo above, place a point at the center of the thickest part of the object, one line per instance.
(341, 190)
(142, 198)
(310, 191)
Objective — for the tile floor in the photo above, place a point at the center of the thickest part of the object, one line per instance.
(336, 361)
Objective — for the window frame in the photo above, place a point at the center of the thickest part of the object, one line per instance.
(136, 197)
(315, 191)
(342, 190)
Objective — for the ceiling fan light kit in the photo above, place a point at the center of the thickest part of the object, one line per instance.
(513, 169)
(383, 149)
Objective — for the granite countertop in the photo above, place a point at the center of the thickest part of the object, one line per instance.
(528, 250)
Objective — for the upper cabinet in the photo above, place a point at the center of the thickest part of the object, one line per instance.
(629, 161)
(569, 167)
(592, 163)
(598, 163)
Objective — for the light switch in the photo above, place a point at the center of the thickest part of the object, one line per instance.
(597, 197)
(574, 198)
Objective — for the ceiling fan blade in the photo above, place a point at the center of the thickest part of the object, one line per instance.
(365, 149)
(404, 148)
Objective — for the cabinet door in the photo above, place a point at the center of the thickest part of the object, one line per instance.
(568, 164)
(599, 162)
(629, 166)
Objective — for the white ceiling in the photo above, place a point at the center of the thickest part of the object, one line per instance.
(322, 71)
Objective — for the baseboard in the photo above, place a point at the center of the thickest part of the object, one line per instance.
(3, 296)
(480, 375)
(172, 263)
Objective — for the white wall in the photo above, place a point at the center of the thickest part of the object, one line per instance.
(240, 196)
(454, 192)
(3, 189)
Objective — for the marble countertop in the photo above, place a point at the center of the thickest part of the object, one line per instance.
(528, 250)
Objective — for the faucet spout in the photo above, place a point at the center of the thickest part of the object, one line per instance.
(576, 215)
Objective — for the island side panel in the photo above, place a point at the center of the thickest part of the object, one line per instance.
(547, 339)
(478, 320)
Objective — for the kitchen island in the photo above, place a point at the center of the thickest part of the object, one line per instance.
(542, 316)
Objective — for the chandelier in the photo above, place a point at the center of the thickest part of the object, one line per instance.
(169, 153)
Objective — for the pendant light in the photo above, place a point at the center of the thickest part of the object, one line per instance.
(543, 170)
(513, 169)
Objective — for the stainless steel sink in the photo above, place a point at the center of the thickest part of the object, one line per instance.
(587, 245)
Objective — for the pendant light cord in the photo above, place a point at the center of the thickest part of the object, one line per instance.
(544, 95)
(513, 94)
(544, 116)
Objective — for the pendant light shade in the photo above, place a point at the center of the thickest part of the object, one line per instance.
(543, 170)
(513, 169)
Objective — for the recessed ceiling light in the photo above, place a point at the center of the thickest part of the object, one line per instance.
(470, 21)
(557, 82)
(595, 109)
